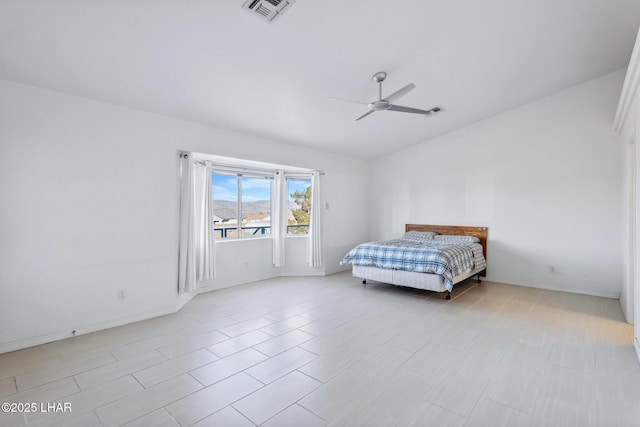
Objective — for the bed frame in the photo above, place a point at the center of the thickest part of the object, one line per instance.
(426, 281)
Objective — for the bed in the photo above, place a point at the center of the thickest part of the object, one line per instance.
(403, 262)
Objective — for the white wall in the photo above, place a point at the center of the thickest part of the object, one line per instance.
(89, 206)
(546, 178)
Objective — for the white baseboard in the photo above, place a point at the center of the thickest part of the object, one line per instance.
(183, 299)
(86, 329)
(337, 269)
(611, 295)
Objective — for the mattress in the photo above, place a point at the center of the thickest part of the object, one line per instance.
(447, 260)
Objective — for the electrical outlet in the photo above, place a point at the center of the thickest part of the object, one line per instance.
(554, 270)
(122, 294)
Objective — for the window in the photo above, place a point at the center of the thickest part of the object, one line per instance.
(256, 206)
(241, 205)
(299, 202)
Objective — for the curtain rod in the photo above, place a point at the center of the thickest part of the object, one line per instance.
(185, 155)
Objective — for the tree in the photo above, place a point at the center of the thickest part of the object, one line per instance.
(302, 199)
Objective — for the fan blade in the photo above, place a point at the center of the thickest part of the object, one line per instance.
(402, 109)
(400, 93)
(348, 100)
(366, 114)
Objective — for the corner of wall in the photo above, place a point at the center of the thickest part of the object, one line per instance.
(629, 96)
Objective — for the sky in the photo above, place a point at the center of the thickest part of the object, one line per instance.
(253, 189)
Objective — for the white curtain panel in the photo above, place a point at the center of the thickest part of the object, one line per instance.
(314, 241)
(204, 223)
(279, 217)
(186, 256)
(196, 254)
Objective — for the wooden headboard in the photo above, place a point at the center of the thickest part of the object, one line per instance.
(456, 230)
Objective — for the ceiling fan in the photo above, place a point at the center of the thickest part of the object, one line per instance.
(385, 104)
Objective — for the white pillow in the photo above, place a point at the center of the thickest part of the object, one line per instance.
(446, 238)
(419, 236)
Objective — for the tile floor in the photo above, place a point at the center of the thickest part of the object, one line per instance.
(328, 351)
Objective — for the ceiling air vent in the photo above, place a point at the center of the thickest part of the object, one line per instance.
(268, 10)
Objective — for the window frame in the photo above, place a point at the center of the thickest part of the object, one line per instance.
(296, 177)
(239, 175)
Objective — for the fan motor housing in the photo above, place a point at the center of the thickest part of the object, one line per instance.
(379, 105)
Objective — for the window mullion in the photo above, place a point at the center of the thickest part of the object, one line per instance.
(239, 205)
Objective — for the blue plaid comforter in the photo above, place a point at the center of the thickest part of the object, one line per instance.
(445, 259)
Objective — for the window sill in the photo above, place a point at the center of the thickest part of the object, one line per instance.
(242, 239)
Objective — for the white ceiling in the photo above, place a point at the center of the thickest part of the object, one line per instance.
(212, 62)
